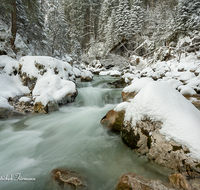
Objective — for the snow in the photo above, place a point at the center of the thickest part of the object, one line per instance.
(122, 106)
(183, 40)
(55, 86)
(86, 73)
(48, 64)
(8, 64)
(159, 101)
(10, 86)
(77, 72)
(24, 99)
(115, 73)
(44, 98)
(137, 85)
(186, 76)
(104, 73)
(186, 90)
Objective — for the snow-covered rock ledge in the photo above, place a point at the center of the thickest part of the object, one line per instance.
(161, 124)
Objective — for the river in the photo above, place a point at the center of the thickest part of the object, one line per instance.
(71, 138)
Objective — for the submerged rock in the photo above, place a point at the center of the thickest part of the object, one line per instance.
(131, 181)
(68, 178)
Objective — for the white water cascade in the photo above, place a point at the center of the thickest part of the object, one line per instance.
(71, 138)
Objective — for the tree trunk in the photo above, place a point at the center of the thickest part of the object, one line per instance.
(14, 22)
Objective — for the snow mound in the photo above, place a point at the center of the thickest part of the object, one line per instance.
(55, 86)
(115, 73)
(137, 84)
(104, 73)
(8, 64)
(159, 101)
(86, 73)
(10, 86)
(39, 66)
(25, 99)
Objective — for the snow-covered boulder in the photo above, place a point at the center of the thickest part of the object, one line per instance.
(86, 76)
(63, 91)
(32, 68)
(162, 124)
(45, 103)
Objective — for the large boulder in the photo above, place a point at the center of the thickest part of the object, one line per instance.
(131, 181)
(160, 123)
(147, 140)
(32, 68)
(63, 91)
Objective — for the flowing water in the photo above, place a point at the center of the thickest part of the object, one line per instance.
(71, 138)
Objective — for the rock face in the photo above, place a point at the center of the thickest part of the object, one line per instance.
(131, 181)
(147, 140)
(67, 178)
(113, 120)
(7, 113)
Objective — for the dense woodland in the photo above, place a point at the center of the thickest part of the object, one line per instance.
(59, 27)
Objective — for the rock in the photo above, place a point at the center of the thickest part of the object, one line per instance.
(45, 103)
(131, 181)
(195, 183)
(8, 112)
(86, 76)
(113, 120)
(146, 139)
(179, 181)
(118, 83)
(50, 107)
(128, 95)
(67, 177)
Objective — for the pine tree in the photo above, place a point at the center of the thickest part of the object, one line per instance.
(188, 15)
(103, 18)
(122, 21)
